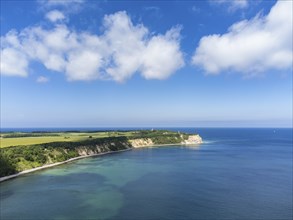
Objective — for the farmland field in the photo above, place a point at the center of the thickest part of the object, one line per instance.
(8, 139)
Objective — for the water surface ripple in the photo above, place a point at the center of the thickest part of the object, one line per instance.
(236, 174)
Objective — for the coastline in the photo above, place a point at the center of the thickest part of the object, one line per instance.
(2, 179)
(5, 178)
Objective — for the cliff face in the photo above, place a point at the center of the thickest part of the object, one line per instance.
(193, 139)
(106, 147)
(144, 142)
(141, 142)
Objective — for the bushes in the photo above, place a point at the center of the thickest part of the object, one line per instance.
(173, 139)
(6, 166)
(162, 136)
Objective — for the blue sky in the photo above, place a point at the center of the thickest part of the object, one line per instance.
(146, 63)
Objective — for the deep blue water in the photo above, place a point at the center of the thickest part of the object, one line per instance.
(235, 174)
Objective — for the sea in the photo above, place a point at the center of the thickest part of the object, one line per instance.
(237, 173)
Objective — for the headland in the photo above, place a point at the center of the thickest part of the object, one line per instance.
(17, 159)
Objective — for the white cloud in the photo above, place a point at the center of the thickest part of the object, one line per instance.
(66, 6)
(55, 15)
(60, 2)
(232, 5)
(83, 65)
(42, 79)
(250, 46)
(121, 51)
(195, 9)
(238, 4)
(126, 45)
(13, 62)
(162, 55)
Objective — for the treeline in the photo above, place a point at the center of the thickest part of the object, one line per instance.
(162, 136)
(18, 135)
(174, 139)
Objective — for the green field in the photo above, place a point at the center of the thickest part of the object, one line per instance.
(26, 139)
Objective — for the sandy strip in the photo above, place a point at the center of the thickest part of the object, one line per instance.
(56, 164)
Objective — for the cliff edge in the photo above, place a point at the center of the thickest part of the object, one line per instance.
(182, 139)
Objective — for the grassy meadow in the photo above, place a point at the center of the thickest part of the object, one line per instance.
(26, 139)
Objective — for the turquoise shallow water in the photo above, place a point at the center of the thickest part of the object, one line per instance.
(236, 174)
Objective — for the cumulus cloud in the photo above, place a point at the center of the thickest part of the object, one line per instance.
(55, 15)
(162, 55)
(121, 51)
(13, 62)
(42, 79)
(250, 46)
